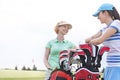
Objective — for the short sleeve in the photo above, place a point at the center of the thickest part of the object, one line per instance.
(48, 45)
(116, 25)
(103, 29)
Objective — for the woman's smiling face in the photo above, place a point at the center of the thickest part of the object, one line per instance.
(63, 29)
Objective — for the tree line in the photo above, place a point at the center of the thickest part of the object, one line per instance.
(27, 68)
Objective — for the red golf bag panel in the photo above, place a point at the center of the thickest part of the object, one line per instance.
(60, 75)
(85, 74)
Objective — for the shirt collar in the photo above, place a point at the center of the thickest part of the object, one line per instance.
(56, 40)
(109, 24)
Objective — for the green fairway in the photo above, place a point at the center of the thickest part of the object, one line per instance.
(21, 78)
(21, 75)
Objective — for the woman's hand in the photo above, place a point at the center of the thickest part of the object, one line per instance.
(88, 40)
(95, 41)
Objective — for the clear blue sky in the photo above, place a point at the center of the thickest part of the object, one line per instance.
(27, 25)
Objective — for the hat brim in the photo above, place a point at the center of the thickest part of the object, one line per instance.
(96, 14)
(69, 25)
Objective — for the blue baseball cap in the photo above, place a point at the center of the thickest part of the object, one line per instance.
(105, 6)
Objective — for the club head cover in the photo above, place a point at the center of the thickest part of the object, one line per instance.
(103, 49)
(64, 60)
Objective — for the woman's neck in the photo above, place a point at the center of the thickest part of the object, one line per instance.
(109, 21)
(60, 37)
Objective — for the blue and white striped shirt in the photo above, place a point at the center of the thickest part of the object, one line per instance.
(113, 56)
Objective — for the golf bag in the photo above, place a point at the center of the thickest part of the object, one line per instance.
(90, 61)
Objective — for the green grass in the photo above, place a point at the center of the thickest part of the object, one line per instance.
(21, 78)
(21, 75)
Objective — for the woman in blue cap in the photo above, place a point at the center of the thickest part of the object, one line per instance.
(109, 36)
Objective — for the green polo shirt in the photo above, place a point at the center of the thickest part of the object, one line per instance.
(56, 47)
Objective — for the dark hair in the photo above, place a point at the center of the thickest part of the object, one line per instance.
(114, 14)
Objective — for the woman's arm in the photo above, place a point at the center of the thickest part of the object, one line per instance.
(98, 34)
(109, 32)
(46, 56)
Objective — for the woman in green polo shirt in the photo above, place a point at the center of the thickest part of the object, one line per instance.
(53, 47)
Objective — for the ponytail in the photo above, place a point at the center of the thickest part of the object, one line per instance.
(114, 14)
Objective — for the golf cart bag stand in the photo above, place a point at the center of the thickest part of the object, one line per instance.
(85, 74)
(60, 75)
